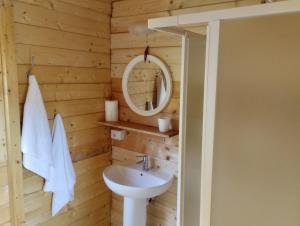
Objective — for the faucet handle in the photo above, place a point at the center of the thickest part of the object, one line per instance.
(142, 156)
(144, 161)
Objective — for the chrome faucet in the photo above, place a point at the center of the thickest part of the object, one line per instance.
(144, 162)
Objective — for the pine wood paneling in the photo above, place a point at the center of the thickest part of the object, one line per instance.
(117, 71)
(99, 6)
(4, 214)
(43, 17)
(157, 39)
(132, 8)
(135, 7)
(165, 149)
(3, 174)
(72, 9)
(3, 151)
(170, 55)
(92, 197)
(11, 189)
(61, 92)
(195, 3)
(63, 57)
(65, 75)
(117, 87)
(121, 24)
(82, 122)
(74, 107)
(70, 41)
(4, 196)
(225, 5)
(59, 39)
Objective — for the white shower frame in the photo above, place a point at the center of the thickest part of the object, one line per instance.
(177, 25)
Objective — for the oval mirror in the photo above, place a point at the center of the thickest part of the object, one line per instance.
(147, 86)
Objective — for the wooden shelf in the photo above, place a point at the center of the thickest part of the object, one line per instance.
(139, 128)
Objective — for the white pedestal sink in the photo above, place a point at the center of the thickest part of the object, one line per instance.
(136, 186)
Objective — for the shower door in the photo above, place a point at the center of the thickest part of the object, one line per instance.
(191, 117)
(252, 123)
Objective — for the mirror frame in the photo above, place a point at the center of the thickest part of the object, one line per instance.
(125, 79)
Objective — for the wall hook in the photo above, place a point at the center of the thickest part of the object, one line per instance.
(146, 53)
(29, 72)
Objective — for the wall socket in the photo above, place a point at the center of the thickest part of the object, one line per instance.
(118, 134)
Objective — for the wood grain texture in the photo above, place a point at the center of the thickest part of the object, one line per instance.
(71, 44)
(73, 9)
(59, 39)
(64, 75)
(61, 92)
(42, 17)
(11, 195)
(92, 198)
(117, 70)
(121, 24)
(61, 57)
(157, 39)
(4, 202)
(139, 128)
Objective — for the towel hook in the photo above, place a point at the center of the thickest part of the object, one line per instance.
(29, 72)
(146, 53)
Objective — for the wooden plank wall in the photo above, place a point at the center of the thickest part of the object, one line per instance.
(124, 46)
(4, 188)
(4, 194)
(11, 178)
(70, 40)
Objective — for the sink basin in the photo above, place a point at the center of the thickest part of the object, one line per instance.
(130, 181)
(136, 186)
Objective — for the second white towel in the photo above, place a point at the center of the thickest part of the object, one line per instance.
(62, 177)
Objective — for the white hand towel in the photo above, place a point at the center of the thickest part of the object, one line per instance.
(63, 178)
(36, 141)
(161, 89)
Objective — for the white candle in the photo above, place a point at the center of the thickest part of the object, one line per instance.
(111, 110)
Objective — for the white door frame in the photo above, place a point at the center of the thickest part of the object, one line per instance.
(210, 90)
(176, 24)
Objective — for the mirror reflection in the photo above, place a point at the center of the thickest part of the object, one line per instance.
(147, 86)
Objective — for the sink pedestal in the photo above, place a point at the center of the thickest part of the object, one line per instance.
(135, 212)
